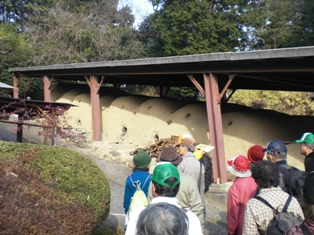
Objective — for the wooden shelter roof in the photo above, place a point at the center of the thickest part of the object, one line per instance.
(289, 69)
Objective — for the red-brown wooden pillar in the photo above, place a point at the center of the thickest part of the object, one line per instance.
(15, 89)
(94, 86)
(47, 94)
(215, 127)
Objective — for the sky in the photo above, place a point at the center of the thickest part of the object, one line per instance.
(140, 9)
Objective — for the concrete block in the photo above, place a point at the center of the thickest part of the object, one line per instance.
(218, 195)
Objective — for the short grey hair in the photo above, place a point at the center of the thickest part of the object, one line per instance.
(281, 155)
(311, 146)
(190, 148)
(162, 219)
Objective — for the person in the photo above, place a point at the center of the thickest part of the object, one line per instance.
(257, 215)
(190, 165)
(307, 148)
(162, 219)
(201, 153)
(188, 196)
(165, 187)
(255, 154)
(140, 175)
(276, 152)
(291, 179)
(308, 198)
(242, 189)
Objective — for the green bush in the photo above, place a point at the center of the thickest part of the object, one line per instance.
(293, 103)
(50, 190)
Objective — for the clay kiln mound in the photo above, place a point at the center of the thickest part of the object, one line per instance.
(140, 120)
(191, 119)
(105, 101)
(69, 96)
(118, 118)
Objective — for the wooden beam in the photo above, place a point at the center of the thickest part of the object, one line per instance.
(196, 84)
(231, 76)
(215, 128)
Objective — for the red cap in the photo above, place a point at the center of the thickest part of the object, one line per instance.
(255, 153)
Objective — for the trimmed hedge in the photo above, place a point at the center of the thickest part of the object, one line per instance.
(50, 190)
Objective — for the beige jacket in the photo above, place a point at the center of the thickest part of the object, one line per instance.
(191, 166)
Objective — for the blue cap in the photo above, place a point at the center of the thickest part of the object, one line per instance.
(275, 146)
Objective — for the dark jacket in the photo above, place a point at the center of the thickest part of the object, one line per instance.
(309, 162)
(207, 163)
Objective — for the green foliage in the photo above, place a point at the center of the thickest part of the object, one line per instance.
(293, 103)
(186, 93)
(280, 22)
(15, 51)
(75, 178)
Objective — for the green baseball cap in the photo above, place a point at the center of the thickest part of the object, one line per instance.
(164, 171)
(306, 138)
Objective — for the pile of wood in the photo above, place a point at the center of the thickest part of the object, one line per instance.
(155, 149)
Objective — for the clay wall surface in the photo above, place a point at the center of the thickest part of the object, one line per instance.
(140, 120)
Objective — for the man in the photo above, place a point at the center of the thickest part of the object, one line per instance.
(276, 152)
(291, 179)
(257, 215)
(307, 147)
(162, 219)
(188, 196)
(165, 186)
(190, 165)
(242, 189)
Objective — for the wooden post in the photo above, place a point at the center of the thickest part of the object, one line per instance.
(94, 85)
(19, 133)
(215, 128)
(47, 82)
(15, 89)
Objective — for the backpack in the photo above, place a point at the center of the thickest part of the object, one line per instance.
(139, 198)
(294, 181)
(282, 221)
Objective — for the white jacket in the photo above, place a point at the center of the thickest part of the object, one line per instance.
(194, 223)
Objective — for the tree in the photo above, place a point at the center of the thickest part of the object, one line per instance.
(15, 52)
(305, 35)
(192, 27)
(274, 22)
(61, 36)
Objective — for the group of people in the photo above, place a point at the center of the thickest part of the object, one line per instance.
(264, 188)
(175, 190)
(179, 180)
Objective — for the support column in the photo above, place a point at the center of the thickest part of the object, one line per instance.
(47, 82)
(94, 86)
(15, 89)
(215, 127)
(19, 133)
